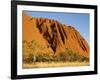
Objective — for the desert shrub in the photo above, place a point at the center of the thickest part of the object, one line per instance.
(83, 59)
(44, 58)
(28, 59)
(65, 56)
(69, 55)
(35, 55)
(54, 58)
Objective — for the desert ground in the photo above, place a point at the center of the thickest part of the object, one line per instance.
(54, 64)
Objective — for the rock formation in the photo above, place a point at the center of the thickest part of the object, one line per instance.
(54, 36)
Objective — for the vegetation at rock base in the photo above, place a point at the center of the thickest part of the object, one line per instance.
(71, 56)
(34, 54)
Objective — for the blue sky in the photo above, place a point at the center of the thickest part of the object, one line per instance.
(78, 20)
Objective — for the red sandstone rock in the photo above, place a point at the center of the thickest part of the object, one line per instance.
(52, 33)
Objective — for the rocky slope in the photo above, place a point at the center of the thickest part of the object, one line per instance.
(53, 36)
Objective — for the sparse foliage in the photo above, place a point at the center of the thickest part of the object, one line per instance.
(36, 56)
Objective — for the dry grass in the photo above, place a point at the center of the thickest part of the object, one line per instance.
(53, 64)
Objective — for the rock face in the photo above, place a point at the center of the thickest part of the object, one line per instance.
(53, 35)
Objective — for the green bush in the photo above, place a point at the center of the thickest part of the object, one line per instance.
(28, 59)
(65, 56)
(71, 56)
